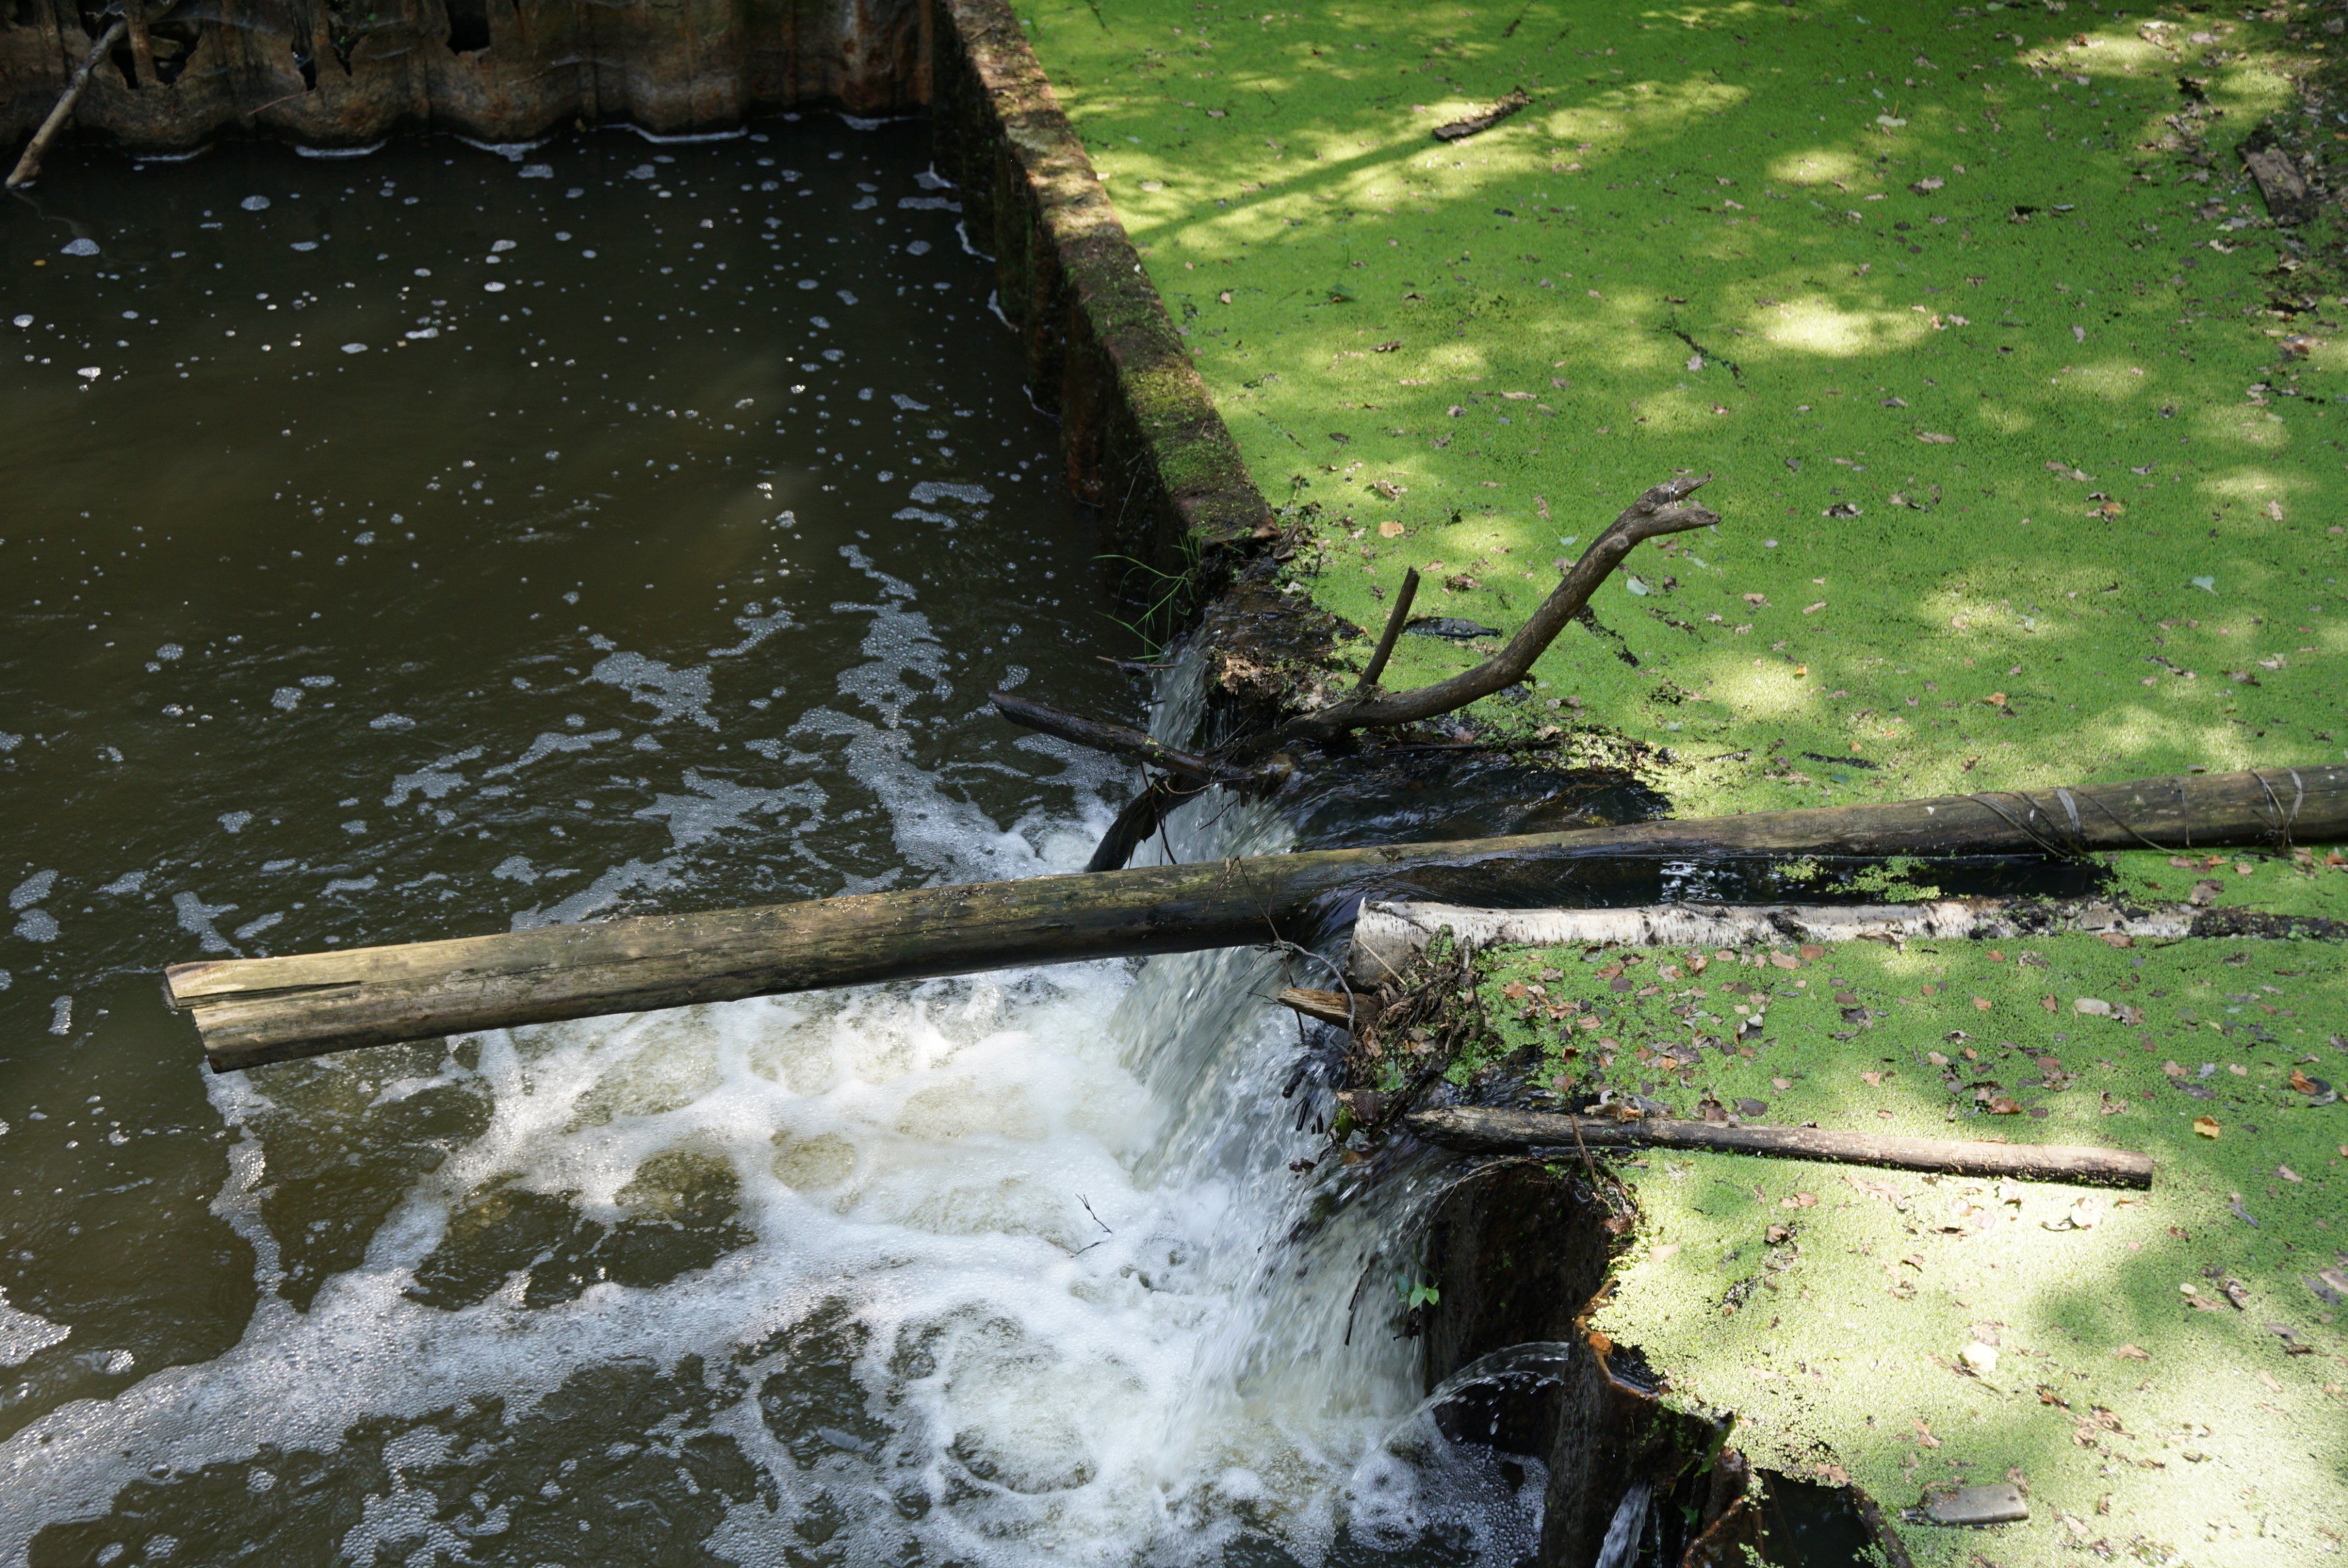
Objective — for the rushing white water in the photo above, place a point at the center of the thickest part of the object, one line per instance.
(1008, 1269)
(1627, 1529)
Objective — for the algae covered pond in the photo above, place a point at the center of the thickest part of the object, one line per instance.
(438, 541)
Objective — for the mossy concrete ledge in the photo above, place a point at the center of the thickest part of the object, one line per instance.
(1141, 436)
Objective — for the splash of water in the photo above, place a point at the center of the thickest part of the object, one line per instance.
(1626, 1528)
(1006, 1269)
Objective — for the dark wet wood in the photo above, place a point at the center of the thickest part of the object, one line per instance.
(1119, 739)
(1395, 620)
(1483, 1131)
(257, 1011)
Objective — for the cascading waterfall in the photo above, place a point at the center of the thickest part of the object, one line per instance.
(1006, 1269)
(1628, 1528)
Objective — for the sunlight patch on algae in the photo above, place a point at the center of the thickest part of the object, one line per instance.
(2013, 208)
(2144, 1405)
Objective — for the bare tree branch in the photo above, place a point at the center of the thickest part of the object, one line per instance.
(1660, 511)
(29, 166)
(1377, 664)
(1122, 741)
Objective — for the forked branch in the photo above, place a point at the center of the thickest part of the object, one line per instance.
(1662, 510)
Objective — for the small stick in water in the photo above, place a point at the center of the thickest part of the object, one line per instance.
(29, 166)
(1478, 1130)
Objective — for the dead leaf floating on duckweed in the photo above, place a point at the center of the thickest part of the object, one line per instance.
(2207, 1126)
(1934, 439)
(1389, 530)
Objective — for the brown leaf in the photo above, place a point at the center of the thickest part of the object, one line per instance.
(2130, 1353)
(2206, 1125)
(1389, 530)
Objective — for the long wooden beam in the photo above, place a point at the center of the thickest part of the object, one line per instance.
(1487, 1131)
(256, 1011)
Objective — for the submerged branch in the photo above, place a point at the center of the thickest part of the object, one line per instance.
(29, 166)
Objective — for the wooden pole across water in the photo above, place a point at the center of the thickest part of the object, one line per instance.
(256, 1011)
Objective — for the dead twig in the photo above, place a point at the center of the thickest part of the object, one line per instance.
(1122, 741)
(1394, 623)
(1475, 123)
(28, 166)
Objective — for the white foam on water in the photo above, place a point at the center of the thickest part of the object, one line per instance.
(1049, 1210)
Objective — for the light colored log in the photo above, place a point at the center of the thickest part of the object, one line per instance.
(1390, 934)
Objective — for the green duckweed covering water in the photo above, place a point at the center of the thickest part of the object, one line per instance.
(2025, 479)
(1832, 1309)
(2018, 485)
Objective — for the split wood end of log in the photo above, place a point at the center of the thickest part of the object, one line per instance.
(1326, 1007)
(1483, 1131)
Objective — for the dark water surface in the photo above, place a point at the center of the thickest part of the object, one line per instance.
(440, 541)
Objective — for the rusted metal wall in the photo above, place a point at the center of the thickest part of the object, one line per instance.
(344, 73)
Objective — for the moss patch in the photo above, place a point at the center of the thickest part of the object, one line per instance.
(2165, 1371)
(2020, 483)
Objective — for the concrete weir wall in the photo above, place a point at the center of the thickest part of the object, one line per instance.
(1142, 441)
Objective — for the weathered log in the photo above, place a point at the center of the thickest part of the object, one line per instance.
(28, 166)
(257, 1011)
(1484, 1131)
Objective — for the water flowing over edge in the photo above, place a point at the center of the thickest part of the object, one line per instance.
(1033, 1240)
